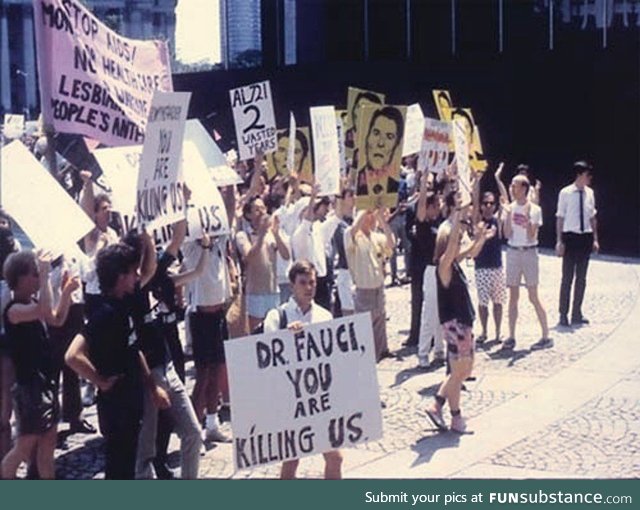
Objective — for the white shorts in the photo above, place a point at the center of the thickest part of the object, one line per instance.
(491, 286)
(345, 289)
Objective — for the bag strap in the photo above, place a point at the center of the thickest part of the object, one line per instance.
(282, 316)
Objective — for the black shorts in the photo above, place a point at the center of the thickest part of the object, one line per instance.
(36, 406)
(208, 332)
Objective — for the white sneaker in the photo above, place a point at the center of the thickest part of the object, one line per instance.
(423, 361)
(215, 435)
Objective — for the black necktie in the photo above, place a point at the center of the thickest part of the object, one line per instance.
(581, 192)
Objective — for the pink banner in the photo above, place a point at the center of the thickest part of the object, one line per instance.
(93, 81)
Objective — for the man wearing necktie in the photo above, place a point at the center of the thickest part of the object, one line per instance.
(577, 237)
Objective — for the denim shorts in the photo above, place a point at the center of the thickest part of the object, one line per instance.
(259, 304)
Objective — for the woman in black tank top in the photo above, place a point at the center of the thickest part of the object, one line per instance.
(456, 315)
(35, 398)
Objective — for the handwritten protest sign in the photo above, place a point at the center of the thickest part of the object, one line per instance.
(159, 199)
(52, 219)
(434, 154)
(414, 130)
(461, 142)
(380, 136)
(302, 155)
(254, 119)
(478, 160)
(326, 155)
(93, 81)
(206, 210)
(13, 126)
(299, 394)
(341, 116)
(216, 161)
(291, 153)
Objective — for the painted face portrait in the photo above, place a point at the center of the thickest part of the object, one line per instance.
(381, 142)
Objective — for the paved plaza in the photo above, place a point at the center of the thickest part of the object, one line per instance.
(570, 411)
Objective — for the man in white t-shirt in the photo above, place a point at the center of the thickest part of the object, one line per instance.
(299, 311)
(523, 221)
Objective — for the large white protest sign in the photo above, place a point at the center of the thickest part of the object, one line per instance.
(434, 154)
(291, 150)
(216, 161)
(13, 126)
(299, 394)
(159, 198)
(206, 210)
(461, 142)
(413, 130)
(46, 213)
(326, 152)
(93, 81)
(254, 119)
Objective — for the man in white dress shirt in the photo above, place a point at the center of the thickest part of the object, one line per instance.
(299, 311)
(577, 237)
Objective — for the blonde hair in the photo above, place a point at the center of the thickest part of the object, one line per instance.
(442, 239)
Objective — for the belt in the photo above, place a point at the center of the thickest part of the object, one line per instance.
(522, 248)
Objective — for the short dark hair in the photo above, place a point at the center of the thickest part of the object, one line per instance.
(134, 241)
(113, 261)
(393, 114)
(347, 192)
(580, 167)
(248, 205)
(369, 96)
(17, 265)
(99, 200)
(300, 137)
(463, 113)
(301, 267)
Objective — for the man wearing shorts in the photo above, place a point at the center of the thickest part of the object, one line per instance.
(523, 220)
(208, 294)
(258, 251)
(488, 269)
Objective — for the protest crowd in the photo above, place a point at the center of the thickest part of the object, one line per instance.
(308, 229)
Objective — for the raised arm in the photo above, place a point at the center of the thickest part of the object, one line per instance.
(502, 189)
(149, 262)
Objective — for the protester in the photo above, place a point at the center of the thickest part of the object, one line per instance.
(456, 316)
(367, 251)
(35, 399)
(523, 219)
(299, 311)
(344, 283)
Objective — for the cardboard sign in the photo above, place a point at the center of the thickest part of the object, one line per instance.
(159, 199)
(477, 161)
(300, 394)
(13, 126)
(221, 173)
(341, 116)
(302, 155)
(254, 119)
(444, 103)
(413, 130)
(461, 142)
(206, 207)
(434, 154)
(93, 81)
(291, 153)
(326, 155)
(356, 99)
(379, 146)
(47, 214)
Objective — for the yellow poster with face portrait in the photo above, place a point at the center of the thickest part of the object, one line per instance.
(444, 103)
(302, 155)
(379, 149)
(356, 98)
(477, 161)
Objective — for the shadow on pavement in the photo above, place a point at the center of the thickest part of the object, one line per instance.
(426, 446)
